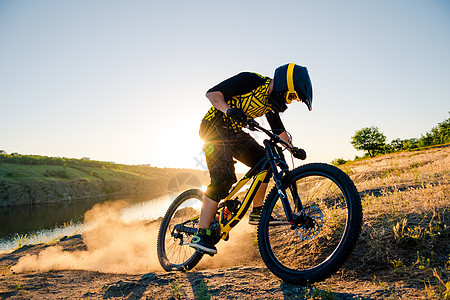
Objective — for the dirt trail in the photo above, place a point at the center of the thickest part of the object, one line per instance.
(247, 281)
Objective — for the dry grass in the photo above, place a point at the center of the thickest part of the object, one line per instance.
(406, 232)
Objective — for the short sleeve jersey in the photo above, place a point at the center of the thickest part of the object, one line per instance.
(249, 92)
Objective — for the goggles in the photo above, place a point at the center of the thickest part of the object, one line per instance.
(291, 94)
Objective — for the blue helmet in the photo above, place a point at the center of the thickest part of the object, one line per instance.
(291, 81)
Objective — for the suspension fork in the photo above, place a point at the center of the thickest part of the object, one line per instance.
(297, 201)
(275, 159)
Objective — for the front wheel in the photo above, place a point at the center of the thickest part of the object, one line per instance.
(179, 225)
(328, 220)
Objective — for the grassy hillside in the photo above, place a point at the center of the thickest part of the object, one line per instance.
(23, 173)
(28, 180)
(405, 243)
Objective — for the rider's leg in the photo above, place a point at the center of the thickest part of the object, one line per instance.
(203, 240)
(249, 152)
(209, 208)
(219, 158)
(258, 201)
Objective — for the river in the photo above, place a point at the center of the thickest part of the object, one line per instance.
(47, 222)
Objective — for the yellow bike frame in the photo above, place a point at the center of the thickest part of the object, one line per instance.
(227, 225)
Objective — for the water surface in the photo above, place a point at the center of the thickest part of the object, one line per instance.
(41, 223)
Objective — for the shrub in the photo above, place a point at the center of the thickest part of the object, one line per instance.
(59, 173)
(338, 161)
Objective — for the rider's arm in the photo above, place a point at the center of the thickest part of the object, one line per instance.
(218, 101)
(285, 136)
(277, 126)
(275, 122)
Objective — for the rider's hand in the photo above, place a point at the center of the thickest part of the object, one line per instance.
(237, 115)
(298, 153)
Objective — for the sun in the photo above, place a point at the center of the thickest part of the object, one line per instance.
(180, 146)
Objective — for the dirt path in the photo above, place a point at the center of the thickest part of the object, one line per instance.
(252, 281)
(243, 282)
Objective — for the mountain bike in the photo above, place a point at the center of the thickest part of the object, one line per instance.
(318, 205)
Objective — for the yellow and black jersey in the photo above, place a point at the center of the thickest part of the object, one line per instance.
(249, 92)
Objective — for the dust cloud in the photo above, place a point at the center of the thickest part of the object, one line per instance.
(115, 245)
(240, 249)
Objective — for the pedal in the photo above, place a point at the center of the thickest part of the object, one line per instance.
(204, 252)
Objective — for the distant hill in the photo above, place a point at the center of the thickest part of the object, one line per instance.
(32, 179)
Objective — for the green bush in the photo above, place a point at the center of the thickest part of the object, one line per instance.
(437, 136)
(338, 161)
(58, 173)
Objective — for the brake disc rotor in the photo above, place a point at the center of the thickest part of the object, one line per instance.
(309, 231)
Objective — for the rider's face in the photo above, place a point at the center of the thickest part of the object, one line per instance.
(291, 97)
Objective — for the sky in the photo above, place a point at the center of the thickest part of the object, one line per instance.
(125, 81)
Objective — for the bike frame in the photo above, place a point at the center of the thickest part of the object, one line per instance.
(274, 160)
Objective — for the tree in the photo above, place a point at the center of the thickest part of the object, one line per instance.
(396, 145)
(369, 139)
(438, 135)
(410, 144)
(444, 131)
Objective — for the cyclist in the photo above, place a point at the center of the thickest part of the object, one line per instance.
(235, 100)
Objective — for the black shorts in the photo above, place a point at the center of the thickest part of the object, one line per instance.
(221, 146)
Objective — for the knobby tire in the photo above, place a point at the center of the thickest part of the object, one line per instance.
(171, 255)
(310, 254)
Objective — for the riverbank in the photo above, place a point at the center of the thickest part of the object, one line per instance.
(28, 184)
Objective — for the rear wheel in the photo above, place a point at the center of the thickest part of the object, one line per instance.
(328, 223)
(178, 227)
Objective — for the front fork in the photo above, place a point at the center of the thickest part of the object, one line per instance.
(277, 159)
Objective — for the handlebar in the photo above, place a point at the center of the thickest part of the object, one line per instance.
(253, 126)
(296, 152)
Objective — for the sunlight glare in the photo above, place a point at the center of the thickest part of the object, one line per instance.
(179, 146)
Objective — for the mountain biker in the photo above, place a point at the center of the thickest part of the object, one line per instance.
(235, 100)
